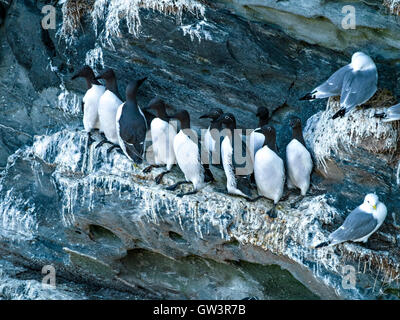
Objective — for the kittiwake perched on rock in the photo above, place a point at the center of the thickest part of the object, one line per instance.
(131, 124)
(163, 133)
(298, 158)
(90, 102)
(391, 114)
(187, 153)
(108, 107)
(269, 170)
(356, 83)
(361, 223)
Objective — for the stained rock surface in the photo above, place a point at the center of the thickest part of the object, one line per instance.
(102, 222)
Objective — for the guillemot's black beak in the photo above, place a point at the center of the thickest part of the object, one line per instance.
(205, 116)
(139, 82)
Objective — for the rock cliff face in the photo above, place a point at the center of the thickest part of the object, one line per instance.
(98, 217)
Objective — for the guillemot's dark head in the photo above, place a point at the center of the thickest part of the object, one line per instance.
(263, 116)
(214, 114)
(156, 104)
(132, 88)
(297, 133)
(111, 81)
(295, 122)
(262, 113)
(269, 133)
(159, 106)
(227, 120)
(87, 73)
(184, 118)
(107, 75)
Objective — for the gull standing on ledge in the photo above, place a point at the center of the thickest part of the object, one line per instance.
(360, 224)
(356, 83)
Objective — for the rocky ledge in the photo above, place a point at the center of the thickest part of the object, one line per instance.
(98, 217)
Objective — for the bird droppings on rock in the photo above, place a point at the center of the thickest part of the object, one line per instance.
(359, 129)
(105, 191)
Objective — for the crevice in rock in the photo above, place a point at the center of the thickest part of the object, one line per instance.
(176, 237)
(103, 235)
(46, 39)
(234, 243)
(194, 277)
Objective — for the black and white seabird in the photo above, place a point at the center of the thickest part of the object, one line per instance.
(212, 137)
(233, 149)
(108, 107)
(360, 224)
(256, 140)
(356, 83)
(187, 153)
(131, 125)
(391, 114)
(162, 135)
(90, 102)
(269, 169)
(298, 158)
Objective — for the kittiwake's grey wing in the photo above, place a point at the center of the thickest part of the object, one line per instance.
(392, 114)
(357, 225)
(332, 86)
(358, 88)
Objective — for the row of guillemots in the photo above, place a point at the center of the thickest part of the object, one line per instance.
(124, 125)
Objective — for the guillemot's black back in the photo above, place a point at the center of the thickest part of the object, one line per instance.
(132, 125)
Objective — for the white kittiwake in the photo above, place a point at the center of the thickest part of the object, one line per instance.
(356, 83)
(361, 223)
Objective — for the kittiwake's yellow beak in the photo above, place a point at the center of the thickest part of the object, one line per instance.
(374, 206)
